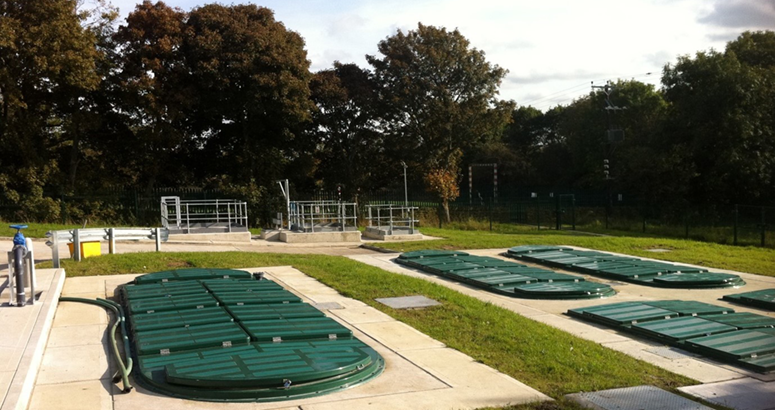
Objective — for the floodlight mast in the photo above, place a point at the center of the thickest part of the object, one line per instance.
(406, 192)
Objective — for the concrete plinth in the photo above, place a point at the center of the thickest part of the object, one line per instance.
(211, 237)
(396, 235)
(270, 234)
(320, 237)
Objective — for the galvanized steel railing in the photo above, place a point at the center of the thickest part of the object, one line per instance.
(182, 214)
(77, 236)
(320, 216)
(392, 217)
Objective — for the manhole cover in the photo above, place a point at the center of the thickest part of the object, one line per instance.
(408, 302)
(635, 398)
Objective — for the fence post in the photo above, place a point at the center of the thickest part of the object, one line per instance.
(573, 207)
(538, 213)
(111, 240)
(137, 208)
(157, 232)
(735, 226)
(489, 212)
(644, 224)
(763, 228)
(76, 246)
(557, 220)
(686, 220)
(54, 249)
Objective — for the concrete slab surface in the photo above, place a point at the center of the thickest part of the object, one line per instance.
(635, 398)
(25, 331)
(743, 394)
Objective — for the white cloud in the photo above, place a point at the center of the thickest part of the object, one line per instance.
(551, 48)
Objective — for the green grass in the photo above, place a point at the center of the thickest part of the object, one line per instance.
(550, 360)
(745, 259)
(34, 230)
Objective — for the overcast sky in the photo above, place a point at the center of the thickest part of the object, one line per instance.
(553, 49)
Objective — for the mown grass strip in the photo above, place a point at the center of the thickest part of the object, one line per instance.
(550, 360)
(744, 259)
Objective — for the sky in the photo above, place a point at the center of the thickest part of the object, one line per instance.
(553, 49)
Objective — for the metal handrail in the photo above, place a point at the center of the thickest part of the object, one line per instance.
(305, 214)
(392, 217)
(230, 211)
(76, 236)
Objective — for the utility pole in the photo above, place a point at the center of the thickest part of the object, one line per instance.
(613, 135)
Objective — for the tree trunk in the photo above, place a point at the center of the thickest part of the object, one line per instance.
(445, 205)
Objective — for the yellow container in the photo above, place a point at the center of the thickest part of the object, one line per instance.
(87, 249)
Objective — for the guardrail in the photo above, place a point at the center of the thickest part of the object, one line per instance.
(185, 214)
(391, 217)
(77, 236)
(323, 216)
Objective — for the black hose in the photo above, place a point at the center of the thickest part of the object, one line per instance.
(118, 311)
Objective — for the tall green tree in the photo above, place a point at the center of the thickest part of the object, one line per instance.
(47, 63)
(439, 99)
(251, 78)
(350, 147)
(155, 92)
(723, 112)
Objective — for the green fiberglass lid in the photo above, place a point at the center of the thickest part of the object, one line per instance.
(191, 274)
(207, 336)
(430, 254)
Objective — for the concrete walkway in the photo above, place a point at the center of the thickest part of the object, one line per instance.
(421, 373)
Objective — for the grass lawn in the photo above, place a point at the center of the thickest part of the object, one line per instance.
(550, 360)
(744, 259)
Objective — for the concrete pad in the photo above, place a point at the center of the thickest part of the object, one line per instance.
(80, 285)
(360, 315)
(635, 398)
(77, 314)
(63, 336)
(74, 364)
(5, 380)
(320, 237)
(92, 395)
(398, 336)
(696, 368)
(460, 370)
(211, 237)
(408, 302)
(743, 394)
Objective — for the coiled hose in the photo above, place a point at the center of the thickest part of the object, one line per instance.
(118, 311)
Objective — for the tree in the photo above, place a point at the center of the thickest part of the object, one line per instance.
(251, 78)
(47, 64)
(438, 96)
(723, 113)
(350, 147)
(155, 91)
(442, 181)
